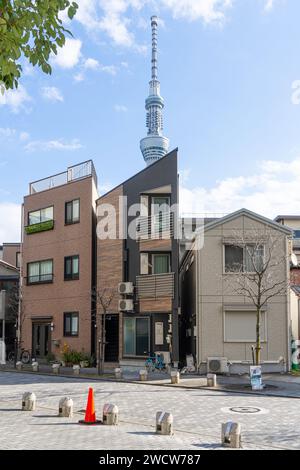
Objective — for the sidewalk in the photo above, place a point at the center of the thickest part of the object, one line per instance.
(280, 385)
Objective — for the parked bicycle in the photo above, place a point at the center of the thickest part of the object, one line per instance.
(24, 357)
(155, 362)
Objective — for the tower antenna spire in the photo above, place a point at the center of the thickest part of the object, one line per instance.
(155, 145)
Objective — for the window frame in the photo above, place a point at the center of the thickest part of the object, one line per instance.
(72, 277)
(39, 210)
(71, 315)
(244, 259)
(48, 281)
(72, 222)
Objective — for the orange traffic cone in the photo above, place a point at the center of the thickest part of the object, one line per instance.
(90, 414)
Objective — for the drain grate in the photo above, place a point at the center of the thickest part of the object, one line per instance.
(245, 409)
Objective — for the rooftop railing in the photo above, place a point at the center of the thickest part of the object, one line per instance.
(73, 173)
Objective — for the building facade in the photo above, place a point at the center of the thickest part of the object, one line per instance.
(147, 320)
(9, 285)
(217, 322)
(58, 262)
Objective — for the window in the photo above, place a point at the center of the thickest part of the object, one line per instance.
(297, 234)
(247, 258)
(71, 267)
(161, 214)
(72, 212)
(241, 326)
(136, 336)
(71, 324)
(158, 263)
(40, 272)
(42, 215)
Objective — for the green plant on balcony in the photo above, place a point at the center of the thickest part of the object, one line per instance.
(40, 227)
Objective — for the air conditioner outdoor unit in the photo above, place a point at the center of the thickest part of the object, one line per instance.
(217, 365)
(125, 305)
(125, 288)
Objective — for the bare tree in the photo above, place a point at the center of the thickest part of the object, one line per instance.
(259, 260)
(102, 300)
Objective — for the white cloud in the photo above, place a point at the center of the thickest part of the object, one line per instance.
(91, 64)
(207, 10)
(119, 108)
(46, 145)
(24, 136)
(15, 99)
(52, 93)
(260, 192)
(7, 132)
(269, 5)
(68, 56)
(10, 222)
(79, 77)
(110, 69)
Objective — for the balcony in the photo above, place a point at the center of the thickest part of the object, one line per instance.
(40, 227)
(155, 286)
(158, 226)
(73, 173)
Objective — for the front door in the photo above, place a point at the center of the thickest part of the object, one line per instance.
(41, 344)
(112, 338)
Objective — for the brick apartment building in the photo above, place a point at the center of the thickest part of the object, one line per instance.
(58, 271)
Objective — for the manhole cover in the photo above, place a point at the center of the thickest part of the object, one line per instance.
(245, 409)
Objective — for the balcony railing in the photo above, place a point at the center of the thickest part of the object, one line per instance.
(155, 286)
(158, 226)
(76, 172)
(39, 227)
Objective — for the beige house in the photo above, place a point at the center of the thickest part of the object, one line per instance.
(218, 321)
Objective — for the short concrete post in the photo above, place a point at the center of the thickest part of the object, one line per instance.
(110, 414)
(118, 373)
(55, 368)
(65, 408)
(231, 435)
(76, 369)
(164, 423)
(211, 380)
(35, 366)
(28, 401)
(143, 375)
(19, 365)
(175, 377)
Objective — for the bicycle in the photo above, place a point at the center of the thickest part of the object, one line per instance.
(25, 356)
(155, 362)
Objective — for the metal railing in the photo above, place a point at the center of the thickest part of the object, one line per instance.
(155, 286)
(158, 226)
(75, 172)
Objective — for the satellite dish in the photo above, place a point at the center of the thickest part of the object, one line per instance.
(294, 260)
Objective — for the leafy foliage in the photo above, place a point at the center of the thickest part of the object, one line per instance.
(30, 28)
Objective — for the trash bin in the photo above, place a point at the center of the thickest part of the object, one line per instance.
(211, 380)
(28, 401)
(231, 435)
(65, 407)
(110, 414)
(164, 423)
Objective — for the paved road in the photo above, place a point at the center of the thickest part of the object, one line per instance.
(198, 415)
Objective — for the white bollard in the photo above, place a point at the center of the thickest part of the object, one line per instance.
(118, 373)
(19, 365)
(76, 369)
(211, 380)
(35, 366)
(28, 401)
(143, 375)
(55, 368)
(65, 408)
(231, 435)
(164, 423)
(110, 414)
(175, 377)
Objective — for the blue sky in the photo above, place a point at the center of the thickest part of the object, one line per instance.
(230, 77)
